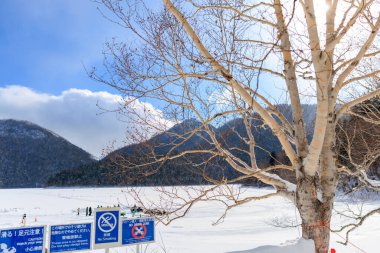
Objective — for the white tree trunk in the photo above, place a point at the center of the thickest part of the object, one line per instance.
(315, 195)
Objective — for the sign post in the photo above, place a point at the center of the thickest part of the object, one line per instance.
(70, 237)
(138, 231)
(107, 228)
(25, 239)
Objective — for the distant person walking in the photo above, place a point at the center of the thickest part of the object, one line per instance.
(23, 221)
(86, 211)
(78, 211)
(89, 211)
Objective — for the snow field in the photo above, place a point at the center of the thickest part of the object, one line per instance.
(248, 228)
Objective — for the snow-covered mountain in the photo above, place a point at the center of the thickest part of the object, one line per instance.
(115, 170)
(30, 154)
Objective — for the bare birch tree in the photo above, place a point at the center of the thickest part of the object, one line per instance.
(212, 59)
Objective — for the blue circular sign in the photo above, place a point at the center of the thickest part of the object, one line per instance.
(107, 222)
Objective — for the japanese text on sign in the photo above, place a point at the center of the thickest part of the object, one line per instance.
(135, 231)
(22, 240)
(71, 237)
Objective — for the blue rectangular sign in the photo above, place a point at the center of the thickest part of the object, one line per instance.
(137, 231)
(107, 227)
(17, 240)
(71, 237)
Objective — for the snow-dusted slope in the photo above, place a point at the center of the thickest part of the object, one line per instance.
(30, 154)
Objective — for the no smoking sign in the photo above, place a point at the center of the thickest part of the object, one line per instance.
(107, 222)
(107, 228)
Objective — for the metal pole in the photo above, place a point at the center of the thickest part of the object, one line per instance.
(137, 248)
(107, 250)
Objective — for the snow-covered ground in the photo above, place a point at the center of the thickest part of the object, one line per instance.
(247, 227)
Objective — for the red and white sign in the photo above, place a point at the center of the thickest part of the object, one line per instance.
(139, 231)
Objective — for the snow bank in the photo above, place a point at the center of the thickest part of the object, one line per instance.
(297, 246)
(249, 226)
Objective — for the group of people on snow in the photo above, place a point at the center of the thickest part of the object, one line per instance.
(88, 211)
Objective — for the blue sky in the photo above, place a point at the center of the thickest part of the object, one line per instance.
(45, 44)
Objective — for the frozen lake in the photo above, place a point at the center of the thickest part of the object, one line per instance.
(246, 227)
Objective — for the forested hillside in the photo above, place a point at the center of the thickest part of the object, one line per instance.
(131, 165)
(31, 154)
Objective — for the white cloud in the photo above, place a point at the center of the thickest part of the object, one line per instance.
(75, 114)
